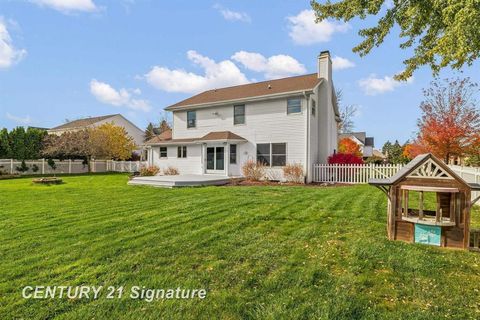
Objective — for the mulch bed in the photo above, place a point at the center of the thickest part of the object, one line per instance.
(242, 182)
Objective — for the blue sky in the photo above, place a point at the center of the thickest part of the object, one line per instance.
(66, 59)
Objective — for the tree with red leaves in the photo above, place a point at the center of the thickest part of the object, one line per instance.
(450, 122)
(344, 158)
(348, 146)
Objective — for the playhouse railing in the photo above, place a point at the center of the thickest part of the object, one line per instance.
(474, 239)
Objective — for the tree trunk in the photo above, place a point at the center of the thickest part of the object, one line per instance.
(89, 159)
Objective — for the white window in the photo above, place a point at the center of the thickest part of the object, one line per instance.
(163, 152)
(239, 114)
(233, 154)
(272, 154)
(294, 106)
(191, 119)
(182, 152)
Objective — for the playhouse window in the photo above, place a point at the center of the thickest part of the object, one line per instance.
(435, 207)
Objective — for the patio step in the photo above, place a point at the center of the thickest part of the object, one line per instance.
(144, 182)
(180, 181)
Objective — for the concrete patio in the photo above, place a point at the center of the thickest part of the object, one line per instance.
(184, 180)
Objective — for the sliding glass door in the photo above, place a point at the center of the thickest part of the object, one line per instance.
(215, 159)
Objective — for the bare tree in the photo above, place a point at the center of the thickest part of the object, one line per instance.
(347, 113)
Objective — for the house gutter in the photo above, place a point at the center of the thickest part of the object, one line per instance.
(307, 136)
(246, 99)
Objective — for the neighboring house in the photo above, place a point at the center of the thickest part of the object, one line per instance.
(366, 143)
(133, 131)
(278, 122)
(379, 155)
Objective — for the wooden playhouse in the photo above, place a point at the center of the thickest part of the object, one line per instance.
(443, 220)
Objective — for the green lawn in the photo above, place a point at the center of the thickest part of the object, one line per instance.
(261, 252)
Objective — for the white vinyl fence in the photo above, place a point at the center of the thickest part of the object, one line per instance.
(40, 166)
(353, 173)
(361, 173)
(469, 174)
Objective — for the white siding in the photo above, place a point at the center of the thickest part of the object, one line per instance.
(265, 122)
(189, 165)
(328, 131)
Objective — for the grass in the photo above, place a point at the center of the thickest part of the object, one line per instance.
(261, 253)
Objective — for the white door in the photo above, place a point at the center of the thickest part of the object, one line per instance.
(215, 160)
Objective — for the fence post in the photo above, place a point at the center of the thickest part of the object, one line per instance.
(69, 166)
(130, 166)
(43, 165)
(11, 166)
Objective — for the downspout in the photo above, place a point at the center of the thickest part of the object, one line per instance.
(307, 138)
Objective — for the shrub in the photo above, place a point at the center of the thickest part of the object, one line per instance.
(374, 160)
(171, 171)
(149, 171)
(35, 168)
(253, 171)
(344, 158)
(23, 167)
(294, 173)
(51, 163)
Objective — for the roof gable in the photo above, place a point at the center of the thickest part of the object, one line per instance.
(430, 169)
(424, 166)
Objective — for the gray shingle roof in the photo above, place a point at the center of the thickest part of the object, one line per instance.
(82, 123)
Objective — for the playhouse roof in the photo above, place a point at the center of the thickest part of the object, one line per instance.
(416, 163)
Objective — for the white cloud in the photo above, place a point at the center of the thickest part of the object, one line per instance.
(230, 15)
(373, 85)
(277, 66)
(120, 98)
(67, 6)
(217, 75)
(9, 55)
(304, 30)
(19, 120)
(340, 63)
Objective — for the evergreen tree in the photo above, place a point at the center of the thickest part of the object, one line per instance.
(164, 126)
(17, 139)
(34, 142)
(394, 152)
(5, 150)
(149, 132)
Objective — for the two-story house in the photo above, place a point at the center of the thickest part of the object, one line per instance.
(290, 120)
